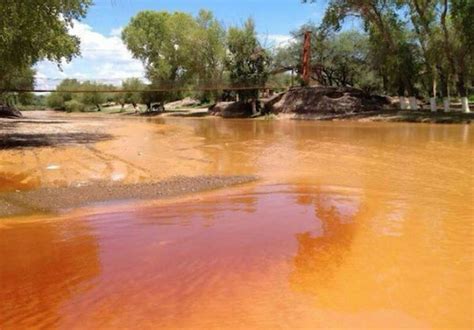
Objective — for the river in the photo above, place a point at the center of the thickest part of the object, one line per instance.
(349, 225)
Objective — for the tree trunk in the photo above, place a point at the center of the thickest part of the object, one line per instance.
(443, 79)
(447, 46)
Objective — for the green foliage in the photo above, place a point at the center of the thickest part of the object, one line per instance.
(27, 98)
(247, 61)
(64, 93)
(164, 43)
(15, 79)
(55, 101)
(93, 95)
(74, 106)
(414, 46)
(90, 94)
(132, 94)
(281, 80)
(34, 30)
(177, 50)
(210, 51)
(338, 59)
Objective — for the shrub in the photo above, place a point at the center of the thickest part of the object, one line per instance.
(74, 106)
(55, 101)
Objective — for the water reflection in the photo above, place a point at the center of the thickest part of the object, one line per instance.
(368, 225)
(42, 266)
(389, 254)
(293, 256)
(319, 255)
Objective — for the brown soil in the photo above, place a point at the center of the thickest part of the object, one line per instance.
(326, 100)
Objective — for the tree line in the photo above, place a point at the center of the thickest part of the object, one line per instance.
(179, 52)
(418, 48)
(406, 47)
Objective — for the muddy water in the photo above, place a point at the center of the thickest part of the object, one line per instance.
(351, 225)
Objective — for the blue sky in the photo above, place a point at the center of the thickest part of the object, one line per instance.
(105, 58)
(274, 16)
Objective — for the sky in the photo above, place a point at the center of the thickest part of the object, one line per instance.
(105, 58)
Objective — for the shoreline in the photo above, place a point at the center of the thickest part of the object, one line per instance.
(52, 200)
(389, 116)
(393, 116)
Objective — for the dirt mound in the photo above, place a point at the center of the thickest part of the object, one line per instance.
(325, 100)
(186, 102)
(231, 109)
(8, 112)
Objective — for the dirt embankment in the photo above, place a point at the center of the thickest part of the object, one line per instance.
(326, 100)
(337, 103)
(308, 100)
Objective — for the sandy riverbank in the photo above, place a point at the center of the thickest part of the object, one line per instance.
(408, 116)
(440, 117)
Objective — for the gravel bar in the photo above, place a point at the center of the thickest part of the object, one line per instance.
(46, 200)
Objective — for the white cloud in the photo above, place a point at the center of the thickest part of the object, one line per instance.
(276, 40)
(116, 32)
(103, 58)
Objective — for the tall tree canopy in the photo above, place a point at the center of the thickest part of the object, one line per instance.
(163, 41)
(38, 29)
(34, 30)
(176, 48)
(247, 61)
(415, 46)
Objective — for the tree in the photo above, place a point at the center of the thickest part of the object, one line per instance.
(462, 18)
(34, 30)
(64, 93)
(93, 94)
(423, 18)
(15, 79)
(338, 59)
(389, 39)
(164, 43)
(72, 95)
(177, 50)
(247, 61)
(208, 62)
(132, 92)
(415, 43)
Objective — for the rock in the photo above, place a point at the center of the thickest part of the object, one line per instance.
(9, 112)
(270, 102)
(231, 109)
(186, 102)
(325, 100)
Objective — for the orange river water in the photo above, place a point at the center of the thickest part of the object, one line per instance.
(351, 225)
